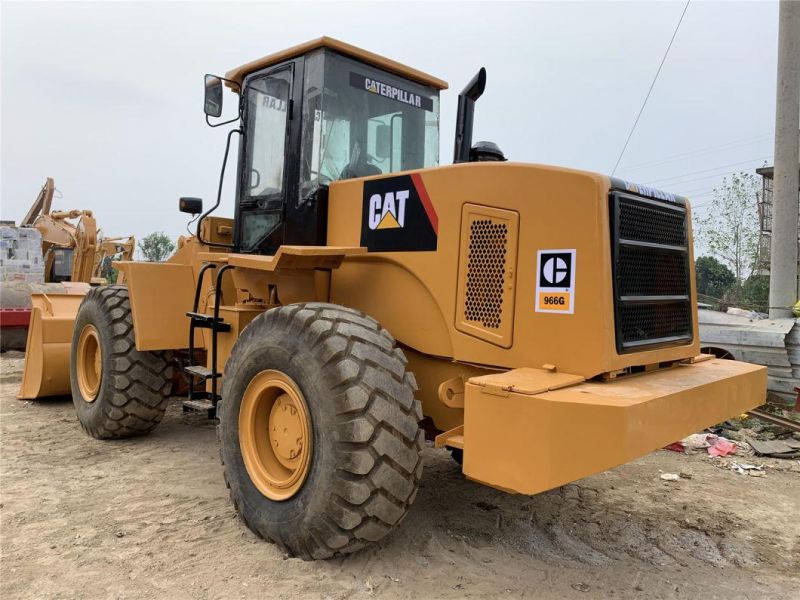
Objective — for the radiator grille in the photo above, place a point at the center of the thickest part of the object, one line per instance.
(641, 323)
(651, 272)
(643, 272)
(486, 272)
(646, 223)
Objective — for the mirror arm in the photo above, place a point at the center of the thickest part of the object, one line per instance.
(210, 124)
(219, 193)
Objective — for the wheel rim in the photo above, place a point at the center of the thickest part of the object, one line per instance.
(90, 369)
(275, 434)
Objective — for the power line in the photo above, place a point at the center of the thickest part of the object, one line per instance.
(698, 193)
(744, 162)
(675, 184)
(652, 85)
(701, 205)
(766, 137)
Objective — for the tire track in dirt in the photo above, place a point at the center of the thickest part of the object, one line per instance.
(150, 517)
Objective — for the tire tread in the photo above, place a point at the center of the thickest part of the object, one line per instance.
(377, 420)
(141, 381)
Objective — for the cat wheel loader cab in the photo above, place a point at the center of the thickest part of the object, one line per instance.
(541, 319)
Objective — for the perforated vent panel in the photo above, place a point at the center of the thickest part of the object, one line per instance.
(487, 273)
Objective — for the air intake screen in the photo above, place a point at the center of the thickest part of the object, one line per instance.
(487, 273)
(651, 272)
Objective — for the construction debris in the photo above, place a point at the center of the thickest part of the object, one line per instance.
(747, 469)
(782, 421)
(789, 448)
(713, 444)
(774, 343)
(21, 254)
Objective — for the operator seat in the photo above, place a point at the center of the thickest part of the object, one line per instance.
(358, 165)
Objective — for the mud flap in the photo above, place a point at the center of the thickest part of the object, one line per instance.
(529, 430)
(47, 350)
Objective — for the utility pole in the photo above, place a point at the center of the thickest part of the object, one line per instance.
(783, 285)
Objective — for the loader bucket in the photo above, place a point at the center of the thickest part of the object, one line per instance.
(46, 369)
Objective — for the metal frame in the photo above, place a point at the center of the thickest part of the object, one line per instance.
(216, 325)
(277, 236)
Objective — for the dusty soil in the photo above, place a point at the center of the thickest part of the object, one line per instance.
(150, 517)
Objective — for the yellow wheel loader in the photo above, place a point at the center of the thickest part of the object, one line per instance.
(538, 321)
(74, 255)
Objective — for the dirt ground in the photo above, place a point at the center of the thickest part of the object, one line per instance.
(150, 518)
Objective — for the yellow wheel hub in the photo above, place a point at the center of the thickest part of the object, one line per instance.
(275, 434)
(89, 363)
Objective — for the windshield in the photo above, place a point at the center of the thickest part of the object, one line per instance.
(361, 121)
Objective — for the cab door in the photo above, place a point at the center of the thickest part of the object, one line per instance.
(267, 172)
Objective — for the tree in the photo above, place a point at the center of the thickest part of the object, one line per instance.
(156, 247)
(731, 228)
(755, 291)
(713, 278)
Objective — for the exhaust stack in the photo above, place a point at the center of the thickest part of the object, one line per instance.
(466, 112)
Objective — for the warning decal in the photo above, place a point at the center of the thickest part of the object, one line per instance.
(555, 281)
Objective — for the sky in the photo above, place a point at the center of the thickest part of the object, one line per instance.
(107, 97)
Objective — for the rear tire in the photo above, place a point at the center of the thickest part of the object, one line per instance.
(365, 462)
(127, 391)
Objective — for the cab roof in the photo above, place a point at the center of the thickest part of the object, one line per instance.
(239, 73)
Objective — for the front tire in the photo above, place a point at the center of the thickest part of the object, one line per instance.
(117, 391)
(363, 445)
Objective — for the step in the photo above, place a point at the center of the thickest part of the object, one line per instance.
(456, 441)
(199, 371)
(199, 406)
(208, 321)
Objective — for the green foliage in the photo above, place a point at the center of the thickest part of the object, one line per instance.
(752, 294)
(713, 278)
(755, 291)
(731, 229)
(156, 247)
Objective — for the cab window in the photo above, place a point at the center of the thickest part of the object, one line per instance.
(267, 101)
(360, 121)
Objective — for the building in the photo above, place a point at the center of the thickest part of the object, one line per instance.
(765, 218)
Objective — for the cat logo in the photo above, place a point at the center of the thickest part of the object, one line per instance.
(388, 211)
(555, 282)
(397, 215)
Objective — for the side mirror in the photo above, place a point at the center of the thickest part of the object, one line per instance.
(193, 206)
(213, 96)
(383, 141)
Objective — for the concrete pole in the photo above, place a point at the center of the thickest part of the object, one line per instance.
(783, 252)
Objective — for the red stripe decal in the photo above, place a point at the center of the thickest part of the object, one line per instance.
(426, 202)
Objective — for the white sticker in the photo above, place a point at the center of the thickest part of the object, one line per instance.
(555, 281)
